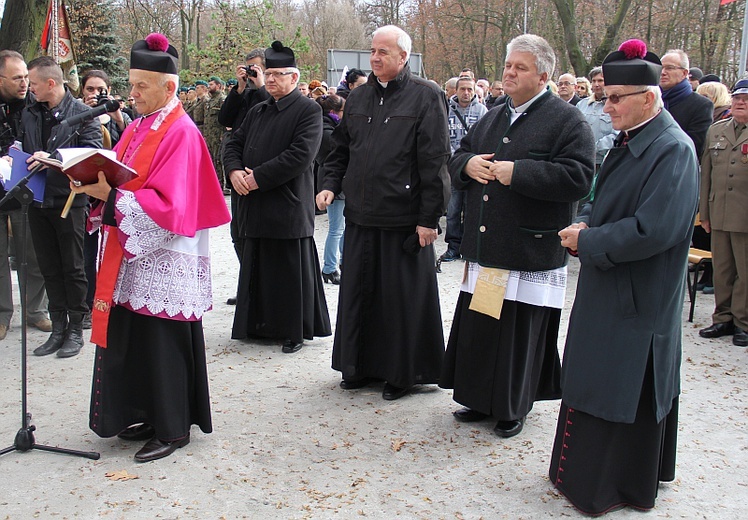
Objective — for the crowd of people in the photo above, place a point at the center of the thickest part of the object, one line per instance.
(527, 172)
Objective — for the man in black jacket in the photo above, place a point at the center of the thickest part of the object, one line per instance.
(14, 96)
(58, 241)
(693, 112)
(523, 166)
(246, 93)
(389, 157)
(269, 159)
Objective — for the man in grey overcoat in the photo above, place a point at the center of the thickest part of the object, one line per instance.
(620, 376)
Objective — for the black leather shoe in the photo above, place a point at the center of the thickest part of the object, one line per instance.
(346, 384)
(141, 432)
(468, 415)
(156, 449)
(392, 392)
(718, 330)
(508, 429)
(289, 347)
(231, 301)
(740, 338)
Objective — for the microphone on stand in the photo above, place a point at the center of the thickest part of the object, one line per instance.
(110, 105)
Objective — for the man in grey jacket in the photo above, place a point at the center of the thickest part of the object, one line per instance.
(464, 111)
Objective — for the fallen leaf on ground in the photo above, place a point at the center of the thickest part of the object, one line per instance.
(120, 475)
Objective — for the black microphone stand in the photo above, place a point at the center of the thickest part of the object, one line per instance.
(24, 440)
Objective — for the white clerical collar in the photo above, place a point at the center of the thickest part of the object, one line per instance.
(524, 106)
(642, 123)
(383, 83)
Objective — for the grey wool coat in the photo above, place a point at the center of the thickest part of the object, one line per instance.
(630, 291)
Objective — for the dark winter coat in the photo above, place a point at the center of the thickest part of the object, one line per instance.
(235, 106)
(278, 140)
(694, 115)
(516, 227)
(57, 187)
(630, 291)
(390, 154)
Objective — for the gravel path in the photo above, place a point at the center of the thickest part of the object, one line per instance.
(289, 444)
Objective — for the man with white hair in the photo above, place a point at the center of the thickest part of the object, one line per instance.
(523, 166)
(567, 88)
(692, 111)
(389, 158)
(616, 433)
(150, 377)
(269, 158)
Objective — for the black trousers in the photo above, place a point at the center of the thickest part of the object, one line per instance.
(58, 243)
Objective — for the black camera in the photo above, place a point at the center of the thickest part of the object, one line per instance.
(102, 97)
(252, 73)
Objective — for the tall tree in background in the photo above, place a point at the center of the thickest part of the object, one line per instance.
(23, 21)
(96, 45)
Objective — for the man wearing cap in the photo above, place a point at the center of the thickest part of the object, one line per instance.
(150, 378)
(724, 214)
(389, 157)
(691, 111)
(616, 432)
(197, 109)
(694, 77)
(213, 130)
(523, 166)
(269, 159)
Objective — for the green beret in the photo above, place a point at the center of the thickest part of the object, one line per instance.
(216, 79)
(191, 88)
(201, 82)
(232, 82)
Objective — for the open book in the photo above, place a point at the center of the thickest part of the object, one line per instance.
(84, 165)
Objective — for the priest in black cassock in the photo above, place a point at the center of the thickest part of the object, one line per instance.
(523, 166)
(269, 159)
(617, 426)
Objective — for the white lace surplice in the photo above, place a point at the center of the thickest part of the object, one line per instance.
(539, 288)
(163, 274)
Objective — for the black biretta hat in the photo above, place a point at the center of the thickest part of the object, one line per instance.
(279, 57)
(632, 64)
(154, 54)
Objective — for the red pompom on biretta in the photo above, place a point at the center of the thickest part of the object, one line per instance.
(157, 42)
(633, 49)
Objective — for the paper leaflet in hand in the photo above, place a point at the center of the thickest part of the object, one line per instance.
(20, 170)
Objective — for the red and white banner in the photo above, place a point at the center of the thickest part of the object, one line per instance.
(56, 41)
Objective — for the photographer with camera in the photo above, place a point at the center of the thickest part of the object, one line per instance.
(94, 92)
(249, 91)
(14, 96)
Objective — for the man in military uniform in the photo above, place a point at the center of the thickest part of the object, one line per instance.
(213, 131)
(189, 105)
(723, 209)
(198, 109)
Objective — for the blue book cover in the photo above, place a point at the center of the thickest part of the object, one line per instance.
(20, 169)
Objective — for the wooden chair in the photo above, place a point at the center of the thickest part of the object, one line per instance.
(699, 258)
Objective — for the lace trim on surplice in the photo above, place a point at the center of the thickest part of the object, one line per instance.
(166, 273)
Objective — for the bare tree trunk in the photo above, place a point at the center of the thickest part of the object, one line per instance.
(28, 14)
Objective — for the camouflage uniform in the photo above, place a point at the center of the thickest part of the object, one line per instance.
(213, 131)
(197, 112)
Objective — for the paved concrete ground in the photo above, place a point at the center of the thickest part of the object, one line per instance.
(289, 444)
